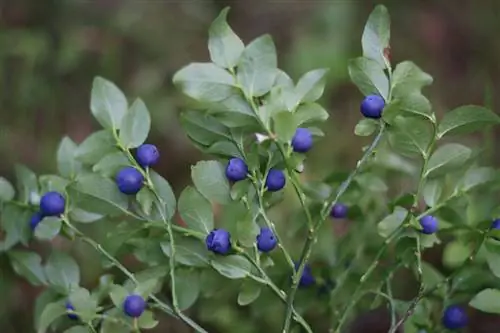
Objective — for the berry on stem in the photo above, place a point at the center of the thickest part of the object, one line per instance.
(339, 211)
(129, 180)
(275, 180)
(372, 106)
(307, 279)
(236, 169)
(218, 241)
(266, 241)
(35, 220)
(302, 141)
(52, 204)
(134, 306)
(429, 224)
(455, 317)
(70, 307)
(147, 155)
(495, 224)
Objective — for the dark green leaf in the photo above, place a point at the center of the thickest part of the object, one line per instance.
(225, 149)
(195, 210)
(203, 128)
(42, 301)
(51, 312)
(95, 146)
(467, 119)
(431, 277)
(167, 202)
(188, 251)
(135, 125)
(187, 285)
(447, 158)
(62, 271)
(232, 266)
(411, 135)
(391, 222)
(224, 45)
(67, 165)
(365, 127)
(48, 228)
(249, 292)
(7, 191)
(376, 35)
(310, 113)
(369, 77)
(29, 266)
(16, 225)
(27, 185)
(108, 103)
(408, 78)
(111, 163)
(311, 85)
(284, 126)
(487, 301)
(493, 260)
(210, 180)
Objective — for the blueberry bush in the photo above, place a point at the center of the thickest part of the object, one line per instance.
(259, 125)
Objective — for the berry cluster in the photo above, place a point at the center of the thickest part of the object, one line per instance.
(133, 307)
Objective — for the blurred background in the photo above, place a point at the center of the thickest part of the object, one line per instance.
(50, 50)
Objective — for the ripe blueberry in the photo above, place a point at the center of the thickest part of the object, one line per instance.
(134, 305)
(372, 106)
(307, 279)
(70, 307)
(35, 219)
(236, 169)
(275, 180)
(429, 224)
(302, 141)
(266, 241)
(52, 204)
(339, 211)
(495, 224)
(129, 180)
(455, 317)
(218, 241)
(147, 155)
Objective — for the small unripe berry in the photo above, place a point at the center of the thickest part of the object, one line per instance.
(302, 141)
(455, 317)
(429, 224)
(70, 307)
(147, 155)
(307, 279)
(134, 306)
(372, 106)
(339, 211)
(236, 169)
(275, 180)
(52, 204)
(218, 241)
(495, 224)
(35, 220)
(266, 240)
(129, 180)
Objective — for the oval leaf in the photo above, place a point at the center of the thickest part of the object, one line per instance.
(467, 119)
(135, 125)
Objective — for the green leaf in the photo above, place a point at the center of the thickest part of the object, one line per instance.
(84, 304)
(147, 287)
(67, 165)
(232, 266)
(111, 164)
(95, 146)
(205, 82)
(376, 35)
(411, 135)
(310, 113)
(77, 329)
(188, 251)
(48, 228)
(42, 301)
(414, 104)
(118, 295)
(431, 277)
(195, 210)
(7, 191)
(135, 125)
(167, 202)
(112, 326)
(187, 286)
(16, 225)
(455, 254)
(225, 149)
(147, 320)
(447, 158)
(408, 78)
(369, 77)
(210, 180)
(391, 222)
(467, 119)
(284, 126)
(224, 45)
(51, 312)
(487, 301)
(28, 265)
(27, 185)
(311, 85)
(247, 230)
(203, 128)
(365, 127)
(493, 260)
(146, 198)
(257, 68)
(82, 216)
(477, 177)
(107, 103)
(432, 192)
(62, 271)
(249, 292)
(52, 183)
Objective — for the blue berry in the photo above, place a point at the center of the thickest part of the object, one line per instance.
(129, 180)
(372, 106)
(307, 279)
(339, 211)
(429, 224)
(35, 219)
(218, 241)
(236, 169)
(302, 141)
(52, 204)
(455, 317)
(495, 224)
(147, 155)
(275, 180)
(70, 307)
(134, 305)
(266, 241)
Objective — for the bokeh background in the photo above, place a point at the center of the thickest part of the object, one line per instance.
(50, 50)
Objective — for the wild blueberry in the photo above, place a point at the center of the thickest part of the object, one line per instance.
(307, 279)
(302, 141)
(134, 305)
(339, 211)
(147, 155)
(218, 241)
(455, 317)
(495, 224)
(52, 204)
(266, 241)
(236, 169)
(429, 224)
(35, 219)
(372, 106)
(70, 307)
(129, 180)
(275, 180)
